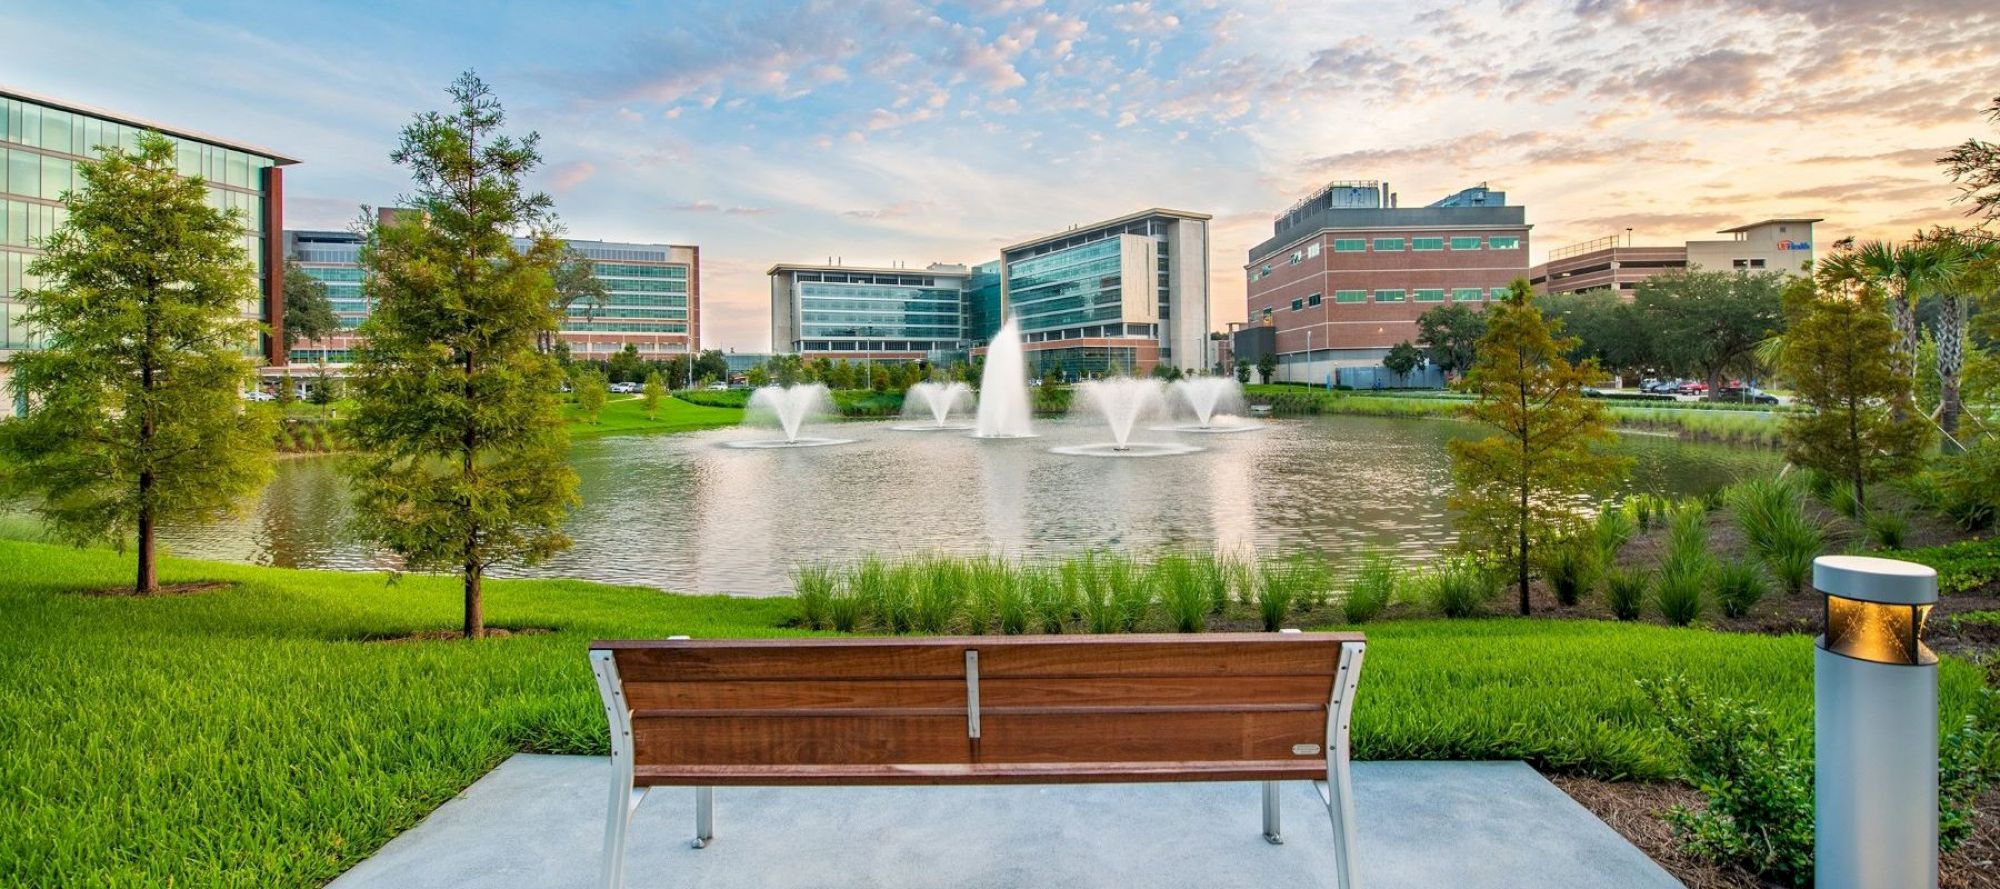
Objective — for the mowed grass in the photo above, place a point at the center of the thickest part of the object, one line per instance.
(251, 737)
(626, 415)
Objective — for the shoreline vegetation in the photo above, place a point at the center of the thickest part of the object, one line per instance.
(1743, 425)
(357, 740)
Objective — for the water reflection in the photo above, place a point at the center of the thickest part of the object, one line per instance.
(684, 513)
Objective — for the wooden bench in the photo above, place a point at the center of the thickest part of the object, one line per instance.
(1263, 707)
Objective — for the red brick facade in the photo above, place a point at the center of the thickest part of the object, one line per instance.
(1370, 324)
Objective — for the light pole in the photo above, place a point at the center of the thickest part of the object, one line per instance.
(1309, 356)
(1875, 727)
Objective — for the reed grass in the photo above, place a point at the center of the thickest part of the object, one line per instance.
(1372, 588)
(1184, 591)
(1739, 586)
(1625, 592)
(1571, 568)
(1459, 587)
(814, 587)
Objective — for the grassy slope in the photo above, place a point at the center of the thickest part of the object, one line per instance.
(244, 738)
(626, 415)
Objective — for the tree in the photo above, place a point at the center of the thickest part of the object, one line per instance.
(680, 371)
(592, 390)
(1242, 370)
(1708, 324)
(712, 364)
(1267, 364)
(1842, 357)
(1974, 266)
(1402, 358)
(456, 409)
(1519, 487)
(625, 365)
(1607, 328)
(287, 390)
(1975, 166)
(324, 389)
(308, 312)
(878, 378)
(136, 415)
(575, 279)
(652, 394)
(1450, 336)
(758, 376)
(1904, 273)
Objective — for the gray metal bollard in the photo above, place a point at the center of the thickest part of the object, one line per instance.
(1875, 727)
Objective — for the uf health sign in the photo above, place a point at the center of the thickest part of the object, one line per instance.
(1794, 245)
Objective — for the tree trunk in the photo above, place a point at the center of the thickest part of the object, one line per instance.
(149, 580)
(1521, 563)
(1950, 365)
(475, 606)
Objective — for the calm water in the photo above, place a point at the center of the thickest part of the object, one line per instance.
(683, 512)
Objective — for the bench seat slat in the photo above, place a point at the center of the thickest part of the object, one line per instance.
(772, 694)
(996, 773)
(985, 711)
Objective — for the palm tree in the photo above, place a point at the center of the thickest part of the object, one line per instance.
(1975, 265)
(1905, 272)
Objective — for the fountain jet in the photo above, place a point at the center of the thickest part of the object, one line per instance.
(937, 401)
(791, 406)
(1123, 402)
(1003, 388)
(1217, 404)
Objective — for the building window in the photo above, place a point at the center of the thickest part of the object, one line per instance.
(1382, 244)
(1312, 249)
(1296, 256)
(1267, 311)
(1430, 296)
(1464, 243)
(1350, 296)
(1499, 293)
(1388, 296)
(1349, 245)
(1506, 243)
(1313, 300)
(1749, 264)
(1267, 268)
(1426, 243)
(1298, 304)
(1465, 295)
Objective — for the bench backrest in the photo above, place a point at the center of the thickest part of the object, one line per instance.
(1244, 706)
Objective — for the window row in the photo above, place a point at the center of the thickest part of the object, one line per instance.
(1422, 295)
(51, 129)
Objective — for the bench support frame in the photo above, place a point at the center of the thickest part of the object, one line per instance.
(1336, 791)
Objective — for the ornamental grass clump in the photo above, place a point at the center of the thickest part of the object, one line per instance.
(1772, 515)
(1887, 529)
(1281, 585)
(814, 586)
(1739, 586)
(1184, 592)
(844, 611)
(1459, 587)
(989, 582)
(1130, 588)
(1613, 528)
(1625, 591)
(1371, 589)
(1050, 600)
(1571, 569)
(1687, 570)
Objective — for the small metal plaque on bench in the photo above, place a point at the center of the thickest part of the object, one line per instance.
(1304, 749)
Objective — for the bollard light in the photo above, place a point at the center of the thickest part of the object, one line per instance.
(1875, 720)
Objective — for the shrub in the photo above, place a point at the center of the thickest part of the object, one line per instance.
(1687, 540)
(1184, 591)
(1887, 529)
(1012, 605)
(1968, 486)
(989, 582)
(1963, 566)
(1759, 785)
(1571, 568)
(814, 586)
(1969, 763)
(1625, 592)
(1797, 541)
(1371, 589)
(1459, 587)
(1739, 586)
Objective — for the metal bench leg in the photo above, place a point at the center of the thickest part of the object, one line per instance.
(704, 816)
(618, 816)
(1338, 789)
(1272, 814)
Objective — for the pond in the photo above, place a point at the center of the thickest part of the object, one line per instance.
(685, 512)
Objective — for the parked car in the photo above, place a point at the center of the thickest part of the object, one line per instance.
(718, 387)
(624, 388)
(1695, 387)
(259, 395)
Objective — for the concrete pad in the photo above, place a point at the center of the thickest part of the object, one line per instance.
(537, 822)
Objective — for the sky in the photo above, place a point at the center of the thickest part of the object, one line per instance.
(883, 131)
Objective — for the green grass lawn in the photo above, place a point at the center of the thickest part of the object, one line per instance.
(626, 415)
(251, 737)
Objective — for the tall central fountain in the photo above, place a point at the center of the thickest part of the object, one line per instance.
(1122, 402)
(935, 401)
(790, 407)
(1003, 388)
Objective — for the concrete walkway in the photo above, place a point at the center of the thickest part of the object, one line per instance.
(537, 822)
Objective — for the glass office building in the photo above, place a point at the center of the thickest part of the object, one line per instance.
(1126, 293)
(42, 140)
(844, 312)
(653, 300)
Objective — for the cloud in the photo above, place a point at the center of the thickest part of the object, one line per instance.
(1902, 157)
(566, 176)
(896, 210)
(712, 207)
